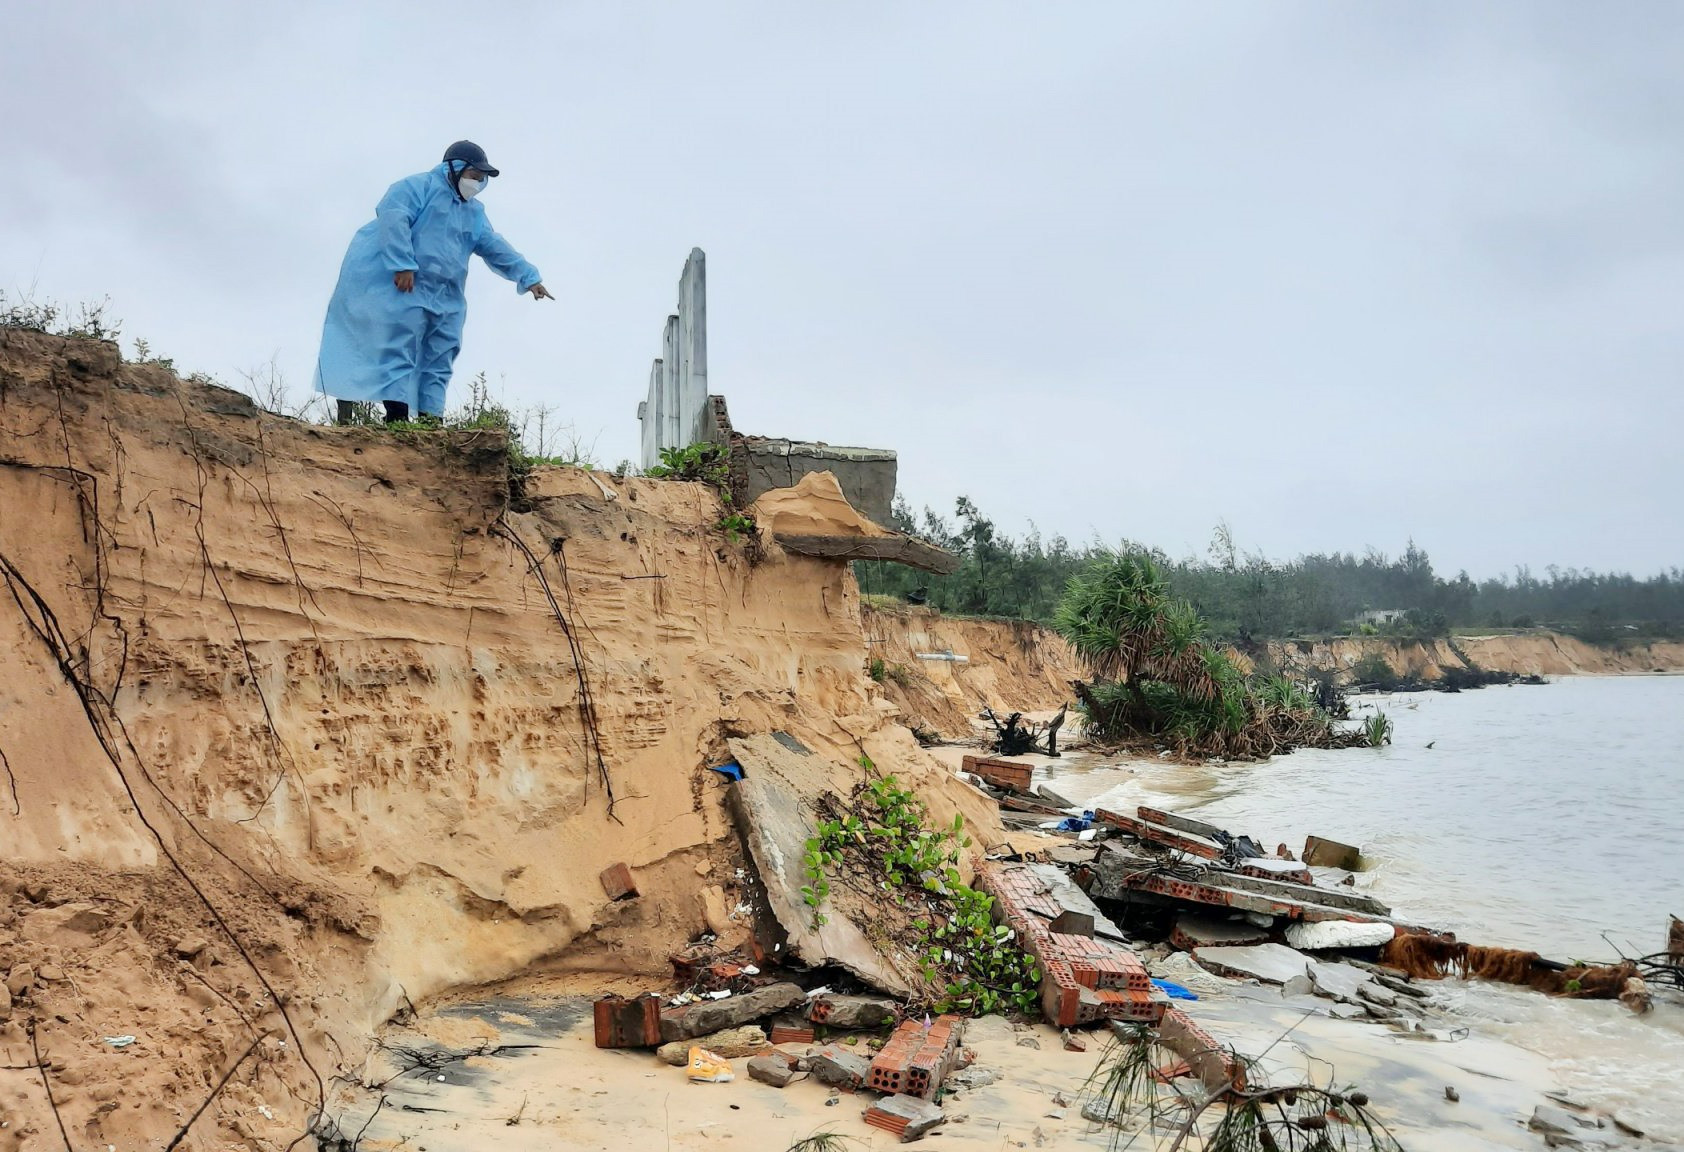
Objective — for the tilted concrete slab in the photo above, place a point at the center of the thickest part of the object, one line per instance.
(772, 808)
(1270, 963)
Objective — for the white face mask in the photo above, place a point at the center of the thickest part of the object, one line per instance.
(469, 187)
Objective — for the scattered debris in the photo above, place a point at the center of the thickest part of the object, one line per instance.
(1451, 1094)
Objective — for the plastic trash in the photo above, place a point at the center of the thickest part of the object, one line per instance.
(1077, 823)
(706, 1068)
(731, 771)
(118, 1041)
(1174, 991)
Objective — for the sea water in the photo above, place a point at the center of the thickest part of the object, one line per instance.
(1542, 817)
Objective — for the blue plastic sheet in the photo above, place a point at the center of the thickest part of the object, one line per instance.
(1173, 991)
(731, 771)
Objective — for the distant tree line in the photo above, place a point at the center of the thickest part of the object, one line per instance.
(1246, 597)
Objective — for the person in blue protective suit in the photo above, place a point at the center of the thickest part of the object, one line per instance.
(394, 324)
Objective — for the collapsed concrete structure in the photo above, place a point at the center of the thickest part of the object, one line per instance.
(678, 412)
(301, 726)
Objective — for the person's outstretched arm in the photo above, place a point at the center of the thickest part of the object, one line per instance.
(500, 256)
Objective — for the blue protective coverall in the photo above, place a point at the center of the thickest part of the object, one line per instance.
(382, 344)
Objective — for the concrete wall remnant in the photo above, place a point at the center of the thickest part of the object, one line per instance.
(866, 475)
(678, 382)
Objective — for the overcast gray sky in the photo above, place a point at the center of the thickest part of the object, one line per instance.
(1339, 274)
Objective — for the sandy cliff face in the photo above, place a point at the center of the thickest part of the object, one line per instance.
(293, 719)
(1527, 654)
(1010, 665)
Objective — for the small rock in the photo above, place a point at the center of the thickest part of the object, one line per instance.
(5, 1002)
(1378, 994)
(974, 1077)
(52, 973)
(775, 1069)
(704, 867)
(1094, 1111)
(1056, 1114)
(1547, 1118)
(1298, 986)
(1451, 1094)
(1073, 1042)
(20, 980)
(190, 946)
(1028, 1042)
(1626, 1124)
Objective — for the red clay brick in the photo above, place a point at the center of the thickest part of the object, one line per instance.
(618, 883)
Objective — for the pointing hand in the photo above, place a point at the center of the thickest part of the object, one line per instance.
(539, 292)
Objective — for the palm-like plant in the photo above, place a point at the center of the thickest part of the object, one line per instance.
(1119, 617)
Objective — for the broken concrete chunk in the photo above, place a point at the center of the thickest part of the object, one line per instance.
(1376, 993)
(775, 1069)
(1325, 934)
(1331, 854)
(906, 1116)
(732, 1044)
(1550, 1118)
(706, 1016)
(836, 1066)
(1339, 981)
(617, 882)
(1270, 963)
(1194, 931)
(862, 1012)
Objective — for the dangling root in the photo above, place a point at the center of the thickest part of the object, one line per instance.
(1427, 957)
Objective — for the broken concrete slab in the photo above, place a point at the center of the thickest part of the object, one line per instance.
(775, 821)
(705, 1016)
(1267, 868)
(774, 1068)
(907, 1117)
(1193, 930)
(731, 1044)
(837, 1066)
(863, 1012)
(1270, 963)
(1338, 981)
(1121, 874)
(1188, 842)
(1181, 823)
(1067, 896)
(1054, 797)
(1324, 853)
(1339, 934)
